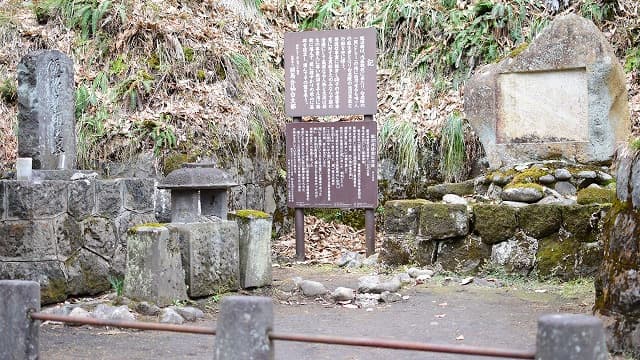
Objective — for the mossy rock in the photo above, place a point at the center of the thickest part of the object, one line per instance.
(443, 221)
(557, 257)
(590, 257)
(250, 214)
(436, 192)
(495, 223)
(404, 249)
(402, 216)
(463, 256)
(527, 176)
(583, 221)
(174, 161)
(593, 195)
(54, 291)
(540, 220)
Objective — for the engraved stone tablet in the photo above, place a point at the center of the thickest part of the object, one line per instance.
(542, 107)
(332, 164)
(330, 72)
(46, 104)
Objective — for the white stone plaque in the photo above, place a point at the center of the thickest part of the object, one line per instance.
(543, 107)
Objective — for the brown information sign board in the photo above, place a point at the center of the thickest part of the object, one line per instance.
(330, 72)
(332, 164)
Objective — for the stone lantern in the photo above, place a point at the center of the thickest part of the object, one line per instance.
(197, 190)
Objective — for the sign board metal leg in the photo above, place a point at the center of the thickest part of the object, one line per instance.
(299, 225)
(370, 231)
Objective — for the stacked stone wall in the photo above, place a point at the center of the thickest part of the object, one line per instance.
(70, 235)
(550, 240)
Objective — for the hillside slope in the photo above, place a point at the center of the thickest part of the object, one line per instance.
(204, 78)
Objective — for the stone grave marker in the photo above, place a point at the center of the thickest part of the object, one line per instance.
(564, 97)
(46, 104)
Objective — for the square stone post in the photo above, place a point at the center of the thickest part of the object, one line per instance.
(19, 339)
(255, 247)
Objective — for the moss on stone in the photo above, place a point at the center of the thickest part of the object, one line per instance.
(557, 257)
(174, 161)
(54, 291)
(251, 214)
(134, 229)
(436, 192)
(582, 221)
(519, 49)
(495, 223)
(513, 185)
(593, 195)
(540, 220)
(402, 216)
(529, 176)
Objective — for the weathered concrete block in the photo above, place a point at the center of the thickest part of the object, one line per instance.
(138, 194)
(100, 236)
(154, 267)
(463, 256)
(82, 198)
(243, 328)
(402, 216)
(109, 198)
(27, 200)
(46, 119)
(19, 338)
(49, 274)
(68, 233)
(494, 223)
(518, 107)
(443, 221)
(570, 337)
(540, 220)
(255, 247)
(24, 240)
(210, 255)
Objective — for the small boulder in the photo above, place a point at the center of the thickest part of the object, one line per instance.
(144, 308)
(565, 188)
(312, 288)
(122, 313)
(528, 193)
(103, 311)
(350, 259)
(170, 316)
(390, 297)
(79, 313)
(454, 199)
(189, 313)
(415, 272)
(562, 174)
(371, 260)
(547, 179)
(343, 294)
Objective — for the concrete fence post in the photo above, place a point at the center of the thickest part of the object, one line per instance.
(19, 340)
(243, 328)
(570, 337)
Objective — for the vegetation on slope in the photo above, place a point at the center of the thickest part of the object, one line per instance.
(204, 78)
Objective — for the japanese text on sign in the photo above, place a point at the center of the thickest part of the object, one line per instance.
(330, 72)
(332, 164)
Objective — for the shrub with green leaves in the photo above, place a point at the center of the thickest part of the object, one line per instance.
(453, 149)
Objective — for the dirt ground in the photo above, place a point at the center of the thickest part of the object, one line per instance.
(478, 315)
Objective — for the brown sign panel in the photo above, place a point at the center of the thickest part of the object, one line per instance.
(332, 164)
(330, 72)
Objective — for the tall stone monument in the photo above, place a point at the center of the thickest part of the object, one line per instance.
(46, 104)
(564, 97)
